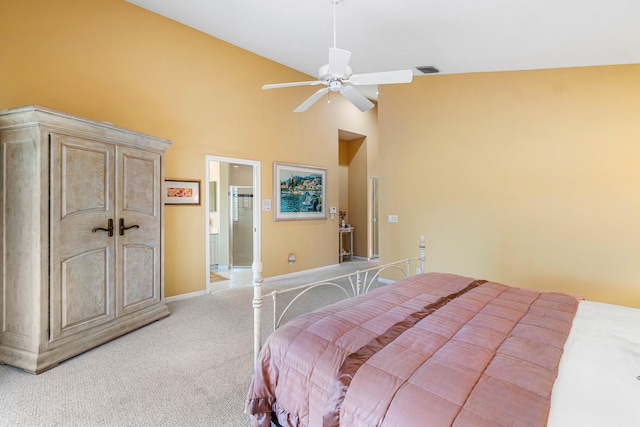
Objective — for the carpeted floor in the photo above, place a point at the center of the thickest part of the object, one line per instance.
(192, 368)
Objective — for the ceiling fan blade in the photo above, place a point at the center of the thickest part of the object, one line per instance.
(356, 98)
(279, 85)
(311, 100)
(386, 77)
(338, 61)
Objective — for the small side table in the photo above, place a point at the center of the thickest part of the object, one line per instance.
(345, 236)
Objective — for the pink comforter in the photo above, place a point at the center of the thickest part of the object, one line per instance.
(431, 350)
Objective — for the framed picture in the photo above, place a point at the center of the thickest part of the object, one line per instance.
(182, 192)
(299, 192)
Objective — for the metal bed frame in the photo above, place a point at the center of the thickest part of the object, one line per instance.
(359, 283)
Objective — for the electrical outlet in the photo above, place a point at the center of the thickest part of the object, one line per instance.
(393, 218)
(418, 270)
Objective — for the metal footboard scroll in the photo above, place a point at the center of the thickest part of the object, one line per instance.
(351, 285)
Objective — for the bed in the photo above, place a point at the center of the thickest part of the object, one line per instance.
(437, 349)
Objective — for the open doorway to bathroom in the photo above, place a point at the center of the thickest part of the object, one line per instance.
(231, 192)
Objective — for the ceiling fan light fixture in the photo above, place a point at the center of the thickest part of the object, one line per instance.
(428, 69)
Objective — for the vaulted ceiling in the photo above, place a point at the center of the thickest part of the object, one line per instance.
(455, 36)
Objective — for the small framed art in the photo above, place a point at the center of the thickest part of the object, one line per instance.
(182, 192)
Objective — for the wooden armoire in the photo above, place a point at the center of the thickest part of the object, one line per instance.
(81, 235)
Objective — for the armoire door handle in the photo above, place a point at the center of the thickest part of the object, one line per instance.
(122, 227)
(109, 228)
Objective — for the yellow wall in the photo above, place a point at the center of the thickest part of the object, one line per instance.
(358, 195)
(530, 178)
(343, 177)
(110, 60)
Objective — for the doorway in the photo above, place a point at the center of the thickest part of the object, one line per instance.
(232, 217)
(354, 189)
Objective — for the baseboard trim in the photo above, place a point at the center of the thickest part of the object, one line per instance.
(288, 275)
(185, 296)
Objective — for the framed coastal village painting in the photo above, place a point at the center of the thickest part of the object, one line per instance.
(299, 192)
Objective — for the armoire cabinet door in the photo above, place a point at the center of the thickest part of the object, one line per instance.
(82, 294)
(138, 243)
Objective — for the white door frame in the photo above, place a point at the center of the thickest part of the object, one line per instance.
(257, 226)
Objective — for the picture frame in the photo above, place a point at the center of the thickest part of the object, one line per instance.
(299, 192)
(181, 192)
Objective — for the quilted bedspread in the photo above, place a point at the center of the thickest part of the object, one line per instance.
(430, 350)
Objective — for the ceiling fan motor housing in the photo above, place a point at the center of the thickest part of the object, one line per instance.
(325, 75)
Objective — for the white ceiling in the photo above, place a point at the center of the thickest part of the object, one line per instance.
(455, 36)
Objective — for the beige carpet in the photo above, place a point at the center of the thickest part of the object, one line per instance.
(191, 369)
(215, 277)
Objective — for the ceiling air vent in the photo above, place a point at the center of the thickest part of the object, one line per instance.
(428, 69)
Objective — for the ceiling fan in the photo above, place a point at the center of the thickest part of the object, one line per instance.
(337, 76)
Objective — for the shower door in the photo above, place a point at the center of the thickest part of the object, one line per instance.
(241, 226)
